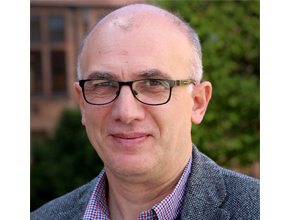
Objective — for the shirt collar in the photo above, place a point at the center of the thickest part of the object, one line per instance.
(169, 208)
(97, 207)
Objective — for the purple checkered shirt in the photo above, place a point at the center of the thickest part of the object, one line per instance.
(168, 208)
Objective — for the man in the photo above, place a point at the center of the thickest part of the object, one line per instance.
(139, 92)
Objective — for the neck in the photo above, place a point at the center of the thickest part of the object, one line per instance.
(128, 197)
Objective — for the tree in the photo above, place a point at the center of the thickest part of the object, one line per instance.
(230, 38)
(63, 162)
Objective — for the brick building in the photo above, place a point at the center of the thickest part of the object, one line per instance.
(57, 28)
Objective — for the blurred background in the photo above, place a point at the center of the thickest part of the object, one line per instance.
(62, 157)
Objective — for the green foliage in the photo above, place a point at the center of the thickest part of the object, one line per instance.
(230, 38)
(64, 162)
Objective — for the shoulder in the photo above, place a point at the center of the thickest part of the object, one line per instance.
(242, 194)
(217, 193)
(70, 206)
(236, 184)
(235, 181)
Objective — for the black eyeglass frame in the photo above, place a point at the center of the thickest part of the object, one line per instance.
(171, 83)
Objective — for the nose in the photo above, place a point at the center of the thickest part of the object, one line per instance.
(126, 108)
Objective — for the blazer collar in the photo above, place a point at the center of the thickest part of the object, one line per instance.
(205, 190)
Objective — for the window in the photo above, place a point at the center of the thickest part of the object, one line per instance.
(35, 73)
(56, 28)
(47, 63)
(58, 72)
(34, 28)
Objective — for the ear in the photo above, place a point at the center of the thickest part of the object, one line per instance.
(201, 95)
(81, 101)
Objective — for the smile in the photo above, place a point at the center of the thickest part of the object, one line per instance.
(132, 138)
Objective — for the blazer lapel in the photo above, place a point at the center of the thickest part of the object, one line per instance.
(76, 206)
(205, 191)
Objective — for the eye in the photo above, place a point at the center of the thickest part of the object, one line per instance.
(151, 86)
(154, 82)
(105, 83)
(101, 86)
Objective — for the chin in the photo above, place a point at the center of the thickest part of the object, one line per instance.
(133, 166)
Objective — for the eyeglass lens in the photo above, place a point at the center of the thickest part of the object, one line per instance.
(148, 91)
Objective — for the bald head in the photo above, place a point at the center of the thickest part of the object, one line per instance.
(148, 18)
(133, 16)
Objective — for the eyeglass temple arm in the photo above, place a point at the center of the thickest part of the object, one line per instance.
(184, 82)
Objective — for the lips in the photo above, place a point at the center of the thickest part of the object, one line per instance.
(129, 138)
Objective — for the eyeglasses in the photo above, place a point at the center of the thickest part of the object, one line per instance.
(146, 91)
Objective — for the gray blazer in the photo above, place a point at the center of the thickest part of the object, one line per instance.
(212, 193)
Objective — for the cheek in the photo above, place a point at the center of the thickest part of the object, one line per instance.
(165, 120)
(96, 112)
(177, 117)
(95, 118)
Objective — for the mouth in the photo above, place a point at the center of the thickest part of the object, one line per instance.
(130, 138)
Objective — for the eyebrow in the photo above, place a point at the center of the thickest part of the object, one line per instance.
(147, 74)
(100, 75)
(154, 73)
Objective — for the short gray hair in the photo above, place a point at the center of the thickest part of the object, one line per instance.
(79, 69)
(196, 69)
(196, 59)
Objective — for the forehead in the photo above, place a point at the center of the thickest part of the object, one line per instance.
(125, 45)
